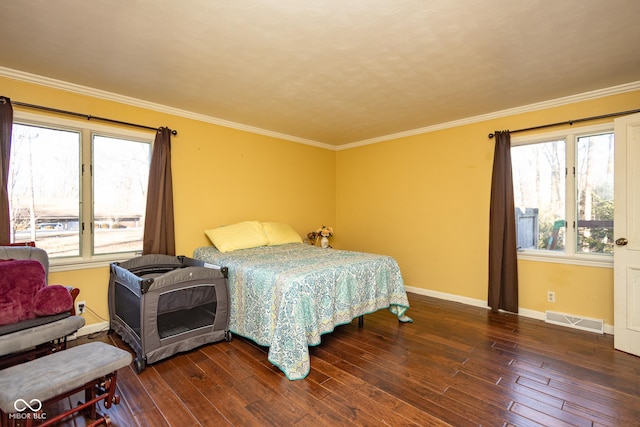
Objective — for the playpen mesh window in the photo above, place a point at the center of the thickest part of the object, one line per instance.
(179, 311)
(186, 309)
(128, 307)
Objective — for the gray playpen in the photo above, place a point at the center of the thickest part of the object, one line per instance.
(161, 305)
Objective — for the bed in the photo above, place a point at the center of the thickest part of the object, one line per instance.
(285, 296)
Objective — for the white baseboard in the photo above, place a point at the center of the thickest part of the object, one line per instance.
(90, 329)
(448, 297)
(538, 315)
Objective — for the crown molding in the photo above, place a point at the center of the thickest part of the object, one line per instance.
(586, 96)
(110, 96)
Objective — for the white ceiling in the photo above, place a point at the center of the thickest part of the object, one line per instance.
(328, 71)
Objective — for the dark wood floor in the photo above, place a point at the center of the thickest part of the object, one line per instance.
(455, 364)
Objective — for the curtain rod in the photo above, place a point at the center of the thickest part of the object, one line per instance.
(571, 122)
(3, 99)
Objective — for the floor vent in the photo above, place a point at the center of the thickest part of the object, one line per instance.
(577, 322)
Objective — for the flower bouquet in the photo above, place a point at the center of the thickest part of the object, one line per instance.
(322, 234)
(325, 231)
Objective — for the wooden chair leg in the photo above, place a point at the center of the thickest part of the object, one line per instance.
(90, 394)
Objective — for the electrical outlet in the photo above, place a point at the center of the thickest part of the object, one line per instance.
(551, 296)
(80, 306)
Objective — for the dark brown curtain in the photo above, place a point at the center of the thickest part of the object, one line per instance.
(159, 234)
(503, 262)
(6, 126)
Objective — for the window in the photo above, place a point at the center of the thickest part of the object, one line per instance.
(563, 193)
(120, 174)
(78, 189)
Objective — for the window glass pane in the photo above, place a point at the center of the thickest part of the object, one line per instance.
(594, 186)
(539, 195)
(120, 174)
(44, 188)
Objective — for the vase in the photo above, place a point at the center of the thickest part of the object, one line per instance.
(324, 242)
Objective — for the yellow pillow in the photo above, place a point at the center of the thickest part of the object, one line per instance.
(279, 233)
(243, 235)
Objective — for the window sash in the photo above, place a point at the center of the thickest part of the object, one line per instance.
(570, 255)
(45, 186)
(119, 193)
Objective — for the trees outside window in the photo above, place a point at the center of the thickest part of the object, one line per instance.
(594, 184)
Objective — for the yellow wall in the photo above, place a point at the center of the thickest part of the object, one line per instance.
(424, 200)
(220, 176)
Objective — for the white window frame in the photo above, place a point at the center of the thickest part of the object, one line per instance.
(569, 255)
(86, 129)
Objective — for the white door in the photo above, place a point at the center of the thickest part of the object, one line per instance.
(626, 255)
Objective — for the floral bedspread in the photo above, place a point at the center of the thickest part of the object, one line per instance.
(285, 297)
